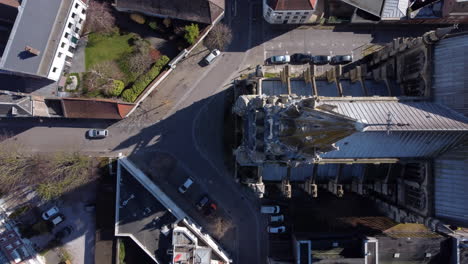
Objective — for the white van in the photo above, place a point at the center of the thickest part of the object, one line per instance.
(184, 187)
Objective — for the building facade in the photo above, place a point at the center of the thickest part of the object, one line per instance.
(70, 36)
(289, 12)
(41, 41)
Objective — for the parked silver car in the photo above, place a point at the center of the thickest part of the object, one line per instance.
(280, 59)
(184, 187)
(49, 213)
(210, 57)
(270, 209)
(97, 133)
(276, 230)
(276, 218)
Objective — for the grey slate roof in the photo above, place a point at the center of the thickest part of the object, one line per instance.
(394, 9)
(450, 68)
(397, 144)
(420, 116)
(371, 6)
(14, 105)
(202, 11)
(39, 24)
(451, 183)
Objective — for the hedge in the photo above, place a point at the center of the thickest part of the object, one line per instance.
(117, 88)
(131, 94)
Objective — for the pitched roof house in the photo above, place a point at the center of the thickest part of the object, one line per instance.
(200, 11)
(289, 11)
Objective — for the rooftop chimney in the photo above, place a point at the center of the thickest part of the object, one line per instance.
(32, 50)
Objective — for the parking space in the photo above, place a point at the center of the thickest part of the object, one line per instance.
(76, 232)
(315, 42)
(172, 175)
(215, 220)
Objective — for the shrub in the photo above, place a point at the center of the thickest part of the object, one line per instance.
(141, 45)
(93, 94)
(65, 256)
(121, 253)
(155, 54)
(116, 88)
(131, 94)
(41, 227)
(191, 33)
(167, 22)
(19, 212)
(137, 18)
(153, 25)
(49, 191)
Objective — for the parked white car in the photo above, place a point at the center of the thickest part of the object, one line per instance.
(277, 229)
(270, 209)
(98, 133)
(210, 57)
(49, 213)
(58, 219)
(184, 187)
(276, 218)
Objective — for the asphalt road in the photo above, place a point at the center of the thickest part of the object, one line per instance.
(185, 118)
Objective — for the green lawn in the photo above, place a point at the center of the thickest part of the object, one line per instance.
(102, 48)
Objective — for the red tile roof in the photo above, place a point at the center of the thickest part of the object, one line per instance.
(94, 108)
(292, 4)
(13, 3)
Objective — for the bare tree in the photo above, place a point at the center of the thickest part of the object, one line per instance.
(99, 17)
(139, 62)
(108, 70)
(101, 77)
(219, 37)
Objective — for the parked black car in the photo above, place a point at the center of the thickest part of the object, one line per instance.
(203, 201)
(321, 59)
(206, 205)
(300, 58)
(342, 59)
(66, 231)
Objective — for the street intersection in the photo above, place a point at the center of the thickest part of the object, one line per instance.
(184, 116)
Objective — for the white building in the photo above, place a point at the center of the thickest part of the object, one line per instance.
(289, 11)
(41, 39)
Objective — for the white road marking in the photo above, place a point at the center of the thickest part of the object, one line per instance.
(235, 8)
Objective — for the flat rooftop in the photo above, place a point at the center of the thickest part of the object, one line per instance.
(157, 225)
(143, 216)
(39, 24)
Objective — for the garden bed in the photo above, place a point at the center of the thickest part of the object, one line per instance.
(123, 60)
(102, 47)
